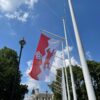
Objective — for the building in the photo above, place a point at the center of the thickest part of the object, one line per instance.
(42, 96)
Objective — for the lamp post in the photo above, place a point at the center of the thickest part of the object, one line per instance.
(22, 42)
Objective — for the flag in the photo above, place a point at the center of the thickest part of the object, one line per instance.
(43, 58)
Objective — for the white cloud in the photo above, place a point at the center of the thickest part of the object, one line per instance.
(24, 17)
(28, 97)
(12, 5)
(12, 9)
(21, 16)
(31, 3)
(73, 62)
(88, 54)
(30, 82)
(70, 49)
(29, 63)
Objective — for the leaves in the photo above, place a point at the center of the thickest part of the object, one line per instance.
(94, 68)
(10, 75)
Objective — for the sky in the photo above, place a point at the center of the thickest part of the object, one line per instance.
(26, 18)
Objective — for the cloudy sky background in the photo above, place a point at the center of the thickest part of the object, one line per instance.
(26, 18)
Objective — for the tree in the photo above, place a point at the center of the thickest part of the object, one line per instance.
(56, 86)
(94, 68)
(10, 76)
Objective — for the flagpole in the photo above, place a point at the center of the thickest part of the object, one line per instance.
(64, 94)
(86, 74)
(69, 59)
(65, 69)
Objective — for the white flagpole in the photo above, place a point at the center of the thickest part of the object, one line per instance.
(70, 67)
(64, 94)
(87, 78)
(66, 74)
(64, 97)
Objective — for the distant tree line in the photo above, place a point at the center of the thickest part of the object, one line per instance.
(94, 68)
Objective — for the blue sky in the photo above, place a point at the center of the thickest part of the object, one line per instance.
(25, 18)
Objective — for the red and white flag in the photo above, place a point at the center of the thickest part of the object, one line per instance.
(43, 58)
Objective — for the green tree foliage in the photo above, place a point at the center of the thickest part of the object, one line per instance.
(10, 76)
(94, 68)
(56, 86)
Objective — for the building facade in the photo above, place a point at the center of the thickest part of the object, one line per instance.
(42, 96)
